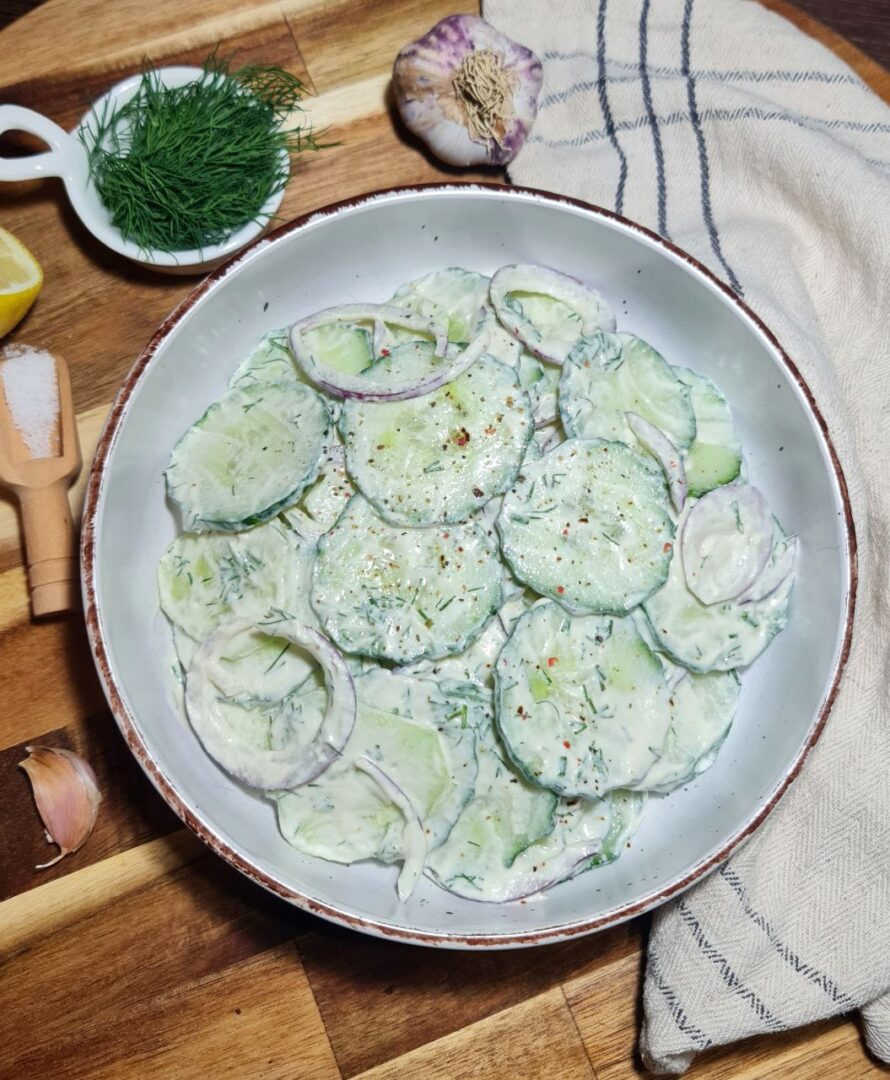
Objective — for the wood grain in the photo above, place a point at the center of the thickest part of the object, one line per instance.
(143, 955)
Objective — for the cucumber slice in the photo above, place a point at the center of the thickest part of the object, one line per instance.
(715, 637)
(253, 668)
(501, 343)
(580, 828)
(342, 346)
(324, 501)
(206, 578)
(627, 810)
(475, 664)
(505, 816)
(270, 362)
(715, 456)
(702, 708)
(253, 452)
(401, 594)
(581, 702)
(589, 525)
(438, 458)
(609, 375)
(185, 646)
(547, 311)
(456, 297)
(541, 383)
(421, 733)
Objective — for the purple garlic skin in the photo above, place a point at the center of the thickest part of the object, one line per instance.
(468, 91)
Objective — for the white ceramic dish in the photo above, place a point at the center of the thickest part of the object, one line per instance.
(67, 158)
(363, 249)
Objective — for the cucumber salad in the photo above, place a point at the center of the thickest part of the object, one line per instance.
(464, 577)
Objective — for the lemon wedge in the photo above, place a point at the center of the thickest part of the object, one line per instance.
(21, 279)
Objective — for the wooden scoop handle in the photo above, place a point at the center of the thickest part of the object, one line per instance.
(51, 548)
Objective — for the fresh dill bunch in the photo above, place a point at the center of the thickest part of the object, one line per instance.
(181, 168)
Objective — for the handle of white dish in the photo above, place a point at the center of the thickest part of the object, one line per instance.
(53, 162)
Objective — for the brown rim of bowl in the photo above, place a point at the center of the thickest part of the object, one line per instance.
(172, 797)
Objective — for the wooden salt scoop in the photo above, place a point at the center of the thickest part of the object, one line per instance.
(41, 487)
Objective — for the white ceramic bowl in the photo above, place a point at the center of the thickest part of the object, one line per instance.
(361, 250)
(67, 158)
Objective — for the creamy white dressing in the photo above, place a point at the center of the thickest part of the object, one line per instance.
(702, 708)
(715, 637)
(402, 594)
(725, 542)
(588, 704)
(581, 702)
(589, 524)
(423, 737)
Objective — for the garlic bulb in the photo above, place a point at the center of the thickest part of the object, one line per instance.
(468, 91)
(66, 795)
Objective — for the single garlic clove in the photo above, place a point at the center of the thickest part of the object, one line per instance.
(468, 91)
(66, 794)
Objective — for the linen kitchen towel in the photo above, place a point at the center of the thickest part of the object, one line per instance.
(721, 126)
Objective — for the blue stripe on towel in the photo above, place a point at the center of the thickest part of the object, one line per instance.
(678, 1014)
(704, 167)
(604, 105)
(748, 112)
(653, 120)
(662, 71)
(735, 984)
(811, 974)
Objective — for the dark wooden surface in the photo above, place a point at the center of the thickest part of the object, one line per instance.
(864, 22)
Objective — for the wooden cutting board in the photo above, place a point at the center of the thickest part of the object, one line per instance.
(144, 955)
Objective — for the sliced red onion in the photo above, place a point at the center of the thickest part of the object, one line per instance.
(272, 770)
(553, 871)
(774, 575)
(660, 447)
(726, 542)
(413, 838)
(383, 337)
(362, 387)
(584, 301)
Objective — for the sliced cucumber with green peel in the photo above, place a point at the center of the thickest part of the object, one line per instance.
(546, 310)
(474, 664)
(589, 525)
(421, 735)
(323, 501)
(609, 375)
(257, 668)
(342, 346)
(205, 578)
(715, 456)
(716, 637)
(439, 458)
(702, 708)
(504, 817)
(456, 296)
(541, 383)
(580, 702)
(252, 453)
(270, 362)
(501, 343)
(402, 594)
(627, 810)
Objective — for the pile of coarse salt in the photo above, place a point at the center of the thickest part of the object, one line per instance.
(31, 388)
